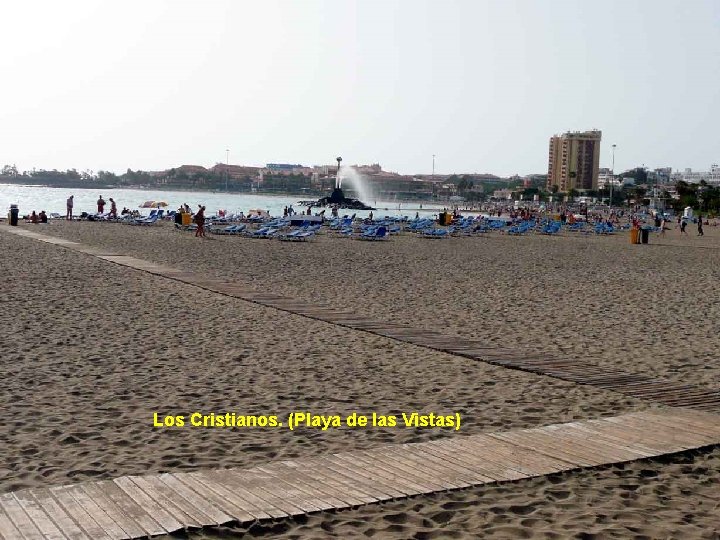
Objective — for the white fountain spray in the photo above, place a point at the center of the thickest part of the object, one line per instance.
(356, 183)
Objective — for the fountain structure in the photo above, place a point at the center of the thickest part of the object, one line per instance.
(338, 198)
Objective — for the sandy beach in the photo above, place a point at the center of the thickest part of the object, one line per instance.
(94, 349)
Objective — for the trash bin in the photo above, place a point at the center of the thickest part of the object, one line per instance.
(645, 235)
(634, 236)
(186, 219)
(14, 212)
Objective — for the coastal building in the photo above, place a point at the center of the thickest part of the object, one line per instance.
(606, 179)
(574, 160)
(502, 194)
(695, 177)
(235, 172)
(661, 176)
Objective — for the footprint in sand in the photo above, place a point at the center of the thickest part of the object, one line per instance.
(396, 518)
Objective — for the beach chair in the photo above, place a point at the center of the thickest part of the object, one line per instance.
(604, 228)
(551, 228)
(520, 229)
(374, 233)
(434, 233)
(149, 221)
(141, 220)
(298, 235)
(496, 224)
(230, 229)
(264, 232)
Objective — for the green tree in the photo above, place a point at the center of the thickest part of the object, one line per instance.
(9, 170)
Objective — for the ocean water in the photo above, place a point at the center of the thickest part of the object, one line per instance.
(51, 199)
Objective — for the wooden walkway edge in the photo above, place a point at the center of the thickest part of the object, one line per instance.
(156, 504)
(635, 385)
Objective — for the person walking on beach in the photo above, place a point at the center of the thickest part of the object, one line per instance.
(69, 203)
(101, 204)
(683, 224)
(700, 224)
(200, 222)
(113, 208)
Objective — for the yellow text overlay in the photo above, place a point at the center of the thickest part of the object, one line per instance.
(309, 420)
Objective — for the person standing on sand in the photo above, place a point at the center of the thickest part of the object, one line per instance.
(683, 224)
(700, 224)
(200, 222)
(101, 204)
(69, 203)
(113, 208)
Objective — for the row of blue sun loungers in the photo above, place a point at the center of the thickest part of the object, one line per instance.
(154, 217)
(425, 227)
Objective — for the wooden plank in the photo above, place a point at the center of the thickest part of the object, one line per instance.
(526, 461)
(394, 468)
(130, 508)
(578, 438)
(40, 519)
(472, 461)
(229, 490)
(20, 520)
(184, 512)
(482, 457)
(8, 531)
(679, 426)
(456, 474)
(214, 514)
(594, 434)
(698, 423)
(438, 473)
(78, 514)
(112, 529)
(374, 469)
(64, 522)
(664, 442)
(557, 444)
(331, 484)
(325, 496)
(621, 433)
(470, 473)
(310, 488)
(126, 523)
(144, 501)
(285, 490)
(541, 446)
(675, 438)
(361, 482)
(366, 477)
(258, 484)
(505, 458)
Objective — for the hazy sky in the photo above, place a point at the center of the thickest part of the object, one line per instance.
(482, 84)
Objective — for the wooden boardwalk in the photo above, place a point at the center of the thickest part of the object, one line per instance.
(638, 386)
(140, 506)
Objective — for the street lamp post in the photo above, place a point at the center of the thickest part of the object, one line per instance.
(433, 173)
(612, 175)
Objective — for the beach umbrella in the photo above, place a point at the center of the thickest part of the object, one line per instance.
(147, 204)
(159, 204)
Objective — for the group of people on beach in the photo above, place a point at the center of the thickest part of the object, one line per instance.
(70, 203)
(38, 218)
